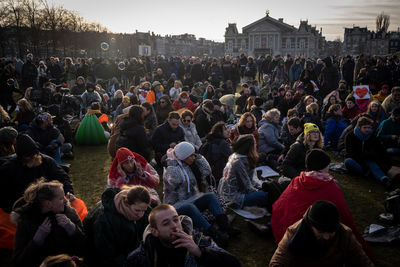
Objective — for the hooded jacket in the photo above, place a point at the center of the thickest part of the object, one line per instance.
(300, 194)
(110, 235)
(294, 161)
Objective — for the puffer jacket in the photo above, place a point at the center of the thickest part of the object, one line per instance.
(269, 137)
(295, 159)
(177, 189)
(237, 180)
(191, 135)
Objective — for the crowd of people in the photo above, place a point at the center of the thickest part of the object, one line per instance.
(200, 127)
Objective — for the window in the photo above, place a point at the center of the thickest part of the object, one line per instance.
(243, 44)
(288, 43)
(230, 45)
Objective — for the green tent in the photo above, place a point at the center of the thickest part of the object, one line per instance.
(90, 131)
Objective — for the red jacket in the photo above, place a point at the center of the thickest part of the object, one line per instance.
(189, 105)
(301, 193)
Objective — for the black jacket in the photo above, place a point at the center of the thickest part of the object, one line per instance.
(133, 136)
(164, 135)
(110, 235)
(15, 178)
(295, 159)
(202, 121)
(28, 253)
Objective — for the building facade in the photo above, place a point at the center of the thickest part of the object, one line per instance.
(274, 37)
(363, 41)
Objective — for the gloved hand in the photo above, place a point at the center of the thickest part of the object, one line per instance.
(42, 232)
(66, 223)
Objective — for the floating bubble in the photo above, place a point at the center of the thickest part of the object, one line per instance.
(104, 46)
(121, 65)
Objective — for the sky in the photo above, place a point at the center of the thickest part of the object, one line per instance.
(209, 18)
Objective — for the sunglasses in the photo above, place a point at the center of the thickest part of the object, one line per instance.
(186, 120)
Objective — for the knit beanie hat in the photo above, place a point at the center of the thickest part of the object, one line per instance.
(7, 135)
(183, 150)
(242, 143)
(317, 159)
(324, 216)
(124, 154)
(26, 147)
(308, 127)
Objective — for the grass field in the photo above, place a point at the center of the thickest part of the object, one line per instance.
(364, 197)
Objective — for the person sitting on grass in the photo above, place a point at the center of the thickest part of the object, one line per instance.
(335, 125)
(170, 240)
(187, 180)
(46, 225)
(365, 154)
(116, 225)
(313, 184)
(294, 162)
(130, 168)
(389, 133)
(319, 239)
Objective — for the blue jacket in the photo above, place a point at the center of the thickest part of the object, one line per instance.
(333, 129)
(269, 137)
(294, 72)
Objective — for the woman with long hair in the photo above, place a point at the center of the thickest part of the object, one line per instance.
(294, 162)
(175, 90)
(150, 118)
(115, 227)
(209, 93)
(216, 149)
(25, 114)
(46, 225)
(377, 113)
(70, 72)
(247, 125)
(133, 133)
(237, 186)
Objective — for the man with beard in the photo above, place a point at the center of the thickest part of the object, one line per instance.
(29, 165)
(170, 240)
(319, 239)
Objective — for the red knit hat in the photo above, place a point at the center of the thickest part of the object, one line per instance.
(123, 155)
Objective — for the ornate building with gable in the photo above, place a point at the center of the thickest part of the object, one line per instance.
(274, 37)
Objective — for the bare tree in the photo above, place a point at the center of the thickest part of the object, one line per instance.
(382, 22)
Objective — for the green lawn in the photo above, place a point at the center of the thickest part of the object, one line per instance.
(89, 172)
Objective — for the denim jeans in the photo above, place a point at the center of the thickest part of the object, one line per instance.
(354, 167)
(258, 198)
(193, 210)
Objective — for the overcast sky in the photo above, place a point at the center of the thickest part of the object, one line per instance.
(209, 18)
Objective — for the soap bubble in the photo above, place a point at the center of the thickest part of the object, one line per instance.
(104, 46)
(121, 65)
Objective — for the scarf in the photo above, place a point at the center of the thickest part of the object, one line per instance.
(123, 207)
(360, 135)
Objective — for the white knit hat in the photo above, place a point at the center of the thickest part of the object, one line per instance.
(183, 150)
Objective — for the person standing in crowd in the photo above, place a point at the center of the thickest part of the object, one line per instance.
(320, 239)
(115, 226)
(46, 225)
(29, 73)
(171, 240)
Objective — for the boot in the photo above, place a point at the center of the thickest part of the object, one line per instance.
(219, 237)
(224, 225)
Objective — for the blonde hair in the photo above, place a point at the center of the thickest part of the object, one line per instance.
(318, 144)
(41, 190)
(312, 108)
(25, 104)
(3, 114)
(270, 114)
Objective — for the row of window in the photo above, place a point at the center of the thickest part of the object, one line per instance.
(301, 44)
